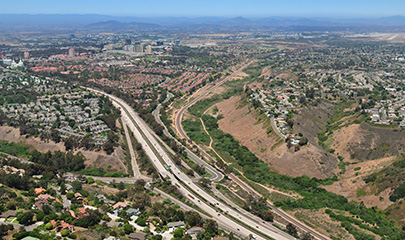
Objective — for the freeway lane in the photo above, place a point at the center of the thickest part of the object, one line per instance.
(216, 175)
(162, 162)
(135, 168)
(181, 132)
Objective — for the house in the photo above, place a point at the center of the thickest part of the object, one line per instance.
(40, 204)
(9, 213)
(68, 187)
(72, 213)
(45, 197)
(153, 218)
(194, 230)
(78, 197)
(120, 205)
(62, 226)
(137, 236)
(133, 212)
(175, 224)
(82, 212)
(111, 238)
(39, 190)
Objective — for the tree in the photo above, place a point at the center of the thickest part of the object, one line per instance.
(90, 180)
(48, 226)
(290, 123)
(303, 141)
(121, 186)
(178, 233)
(193, 218)
(25, 218)
(108, 147)
(127, 228)
(306, 236)
(267, 215)
(63, 188)
(211, 226)
(76, 185)
(64, 232)
(291, 229)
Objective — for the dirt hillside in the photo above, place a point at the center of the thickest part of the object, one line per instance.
(242, 124)
(364, 142)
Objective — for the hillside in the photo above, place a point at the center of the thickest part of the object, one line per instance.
(93, 159)
(243, 124)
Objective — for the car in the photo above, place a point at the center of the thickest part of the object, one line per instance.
(219, 214)
(257, 226)
(238, 229)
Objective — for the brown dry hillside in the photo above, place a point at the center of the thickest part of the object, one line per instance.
(241, 123)
(93, 159)
(309, 121)
(365, 142)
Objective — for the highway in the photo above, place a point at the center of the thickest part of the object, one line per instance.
(220, 212)
(135, 168)
(216, 175)
(181, 132)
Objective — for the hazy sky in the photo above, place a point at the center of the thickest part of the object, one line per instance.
(195, 8)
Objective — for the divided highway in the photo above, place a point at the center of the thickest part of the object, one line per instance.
(182, 133)
(216, 175)
(225, 215)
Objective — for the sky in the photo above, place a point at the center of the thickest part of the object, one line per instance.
(199, 8)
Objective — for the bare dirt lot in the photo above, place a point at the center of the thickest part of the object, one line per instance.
(241, 123)
(94, 159)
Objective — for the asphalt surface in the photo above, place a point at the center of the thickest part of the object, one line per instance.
(135, 168)
(222, 213)
(233, 177)
(276, 130)
(216, 175)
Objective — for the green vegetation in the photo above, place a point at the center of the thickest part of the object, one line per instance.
(384, 230)
(314, 197)
(194, 130)
(101, 172)
(392, 176)
(15, 149)
(63, 161)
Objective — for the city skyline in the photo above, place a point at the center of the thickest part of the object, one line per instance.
(226, 8)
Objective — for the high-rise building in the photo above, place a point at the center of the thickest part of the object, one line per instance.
(26, 55)
(71, 52)
(138, 48)
(148, 49)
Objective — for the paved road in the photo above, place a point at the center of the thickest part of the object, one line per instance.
(216, 175)
(169, 170)
(280, 212)
(180, 114)
(134, 163)
(276, 130)
(233, 177)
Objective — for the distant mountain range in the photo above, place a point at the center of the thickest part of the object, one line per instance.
(115, 23)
